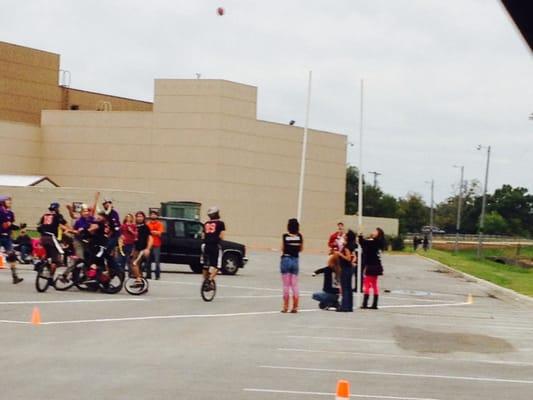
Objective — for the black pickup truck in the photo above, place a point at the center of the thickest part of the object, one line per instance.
(182, 244)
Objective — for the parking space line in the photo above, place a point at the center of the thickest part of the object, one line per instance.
(331, 395)
(231, 286)
(340, 338)
(401, 374)
(66, 301)
(360, 354)
(151, 317)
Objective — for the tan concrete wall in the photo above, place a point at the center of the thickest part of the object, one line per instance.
(29, 203)
(20, 148)
(90, 101)
(210, 149)
(28, 83)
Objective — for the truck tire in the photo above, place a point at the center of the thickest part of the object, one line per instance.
(230, 264)
(196, 268)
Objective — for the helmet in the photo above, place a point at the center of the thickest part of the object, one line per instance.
(84, 207)
(3, 199)
(213, 211)
(53, 206)
(107, 200)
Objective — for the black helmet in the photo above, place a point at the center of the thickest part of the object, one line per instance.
(54, 206)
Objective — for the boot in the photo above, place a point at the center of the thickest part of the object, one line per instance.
(16, 278)
(375, 302)
(294, 305)
(285, 305)
(365, 301)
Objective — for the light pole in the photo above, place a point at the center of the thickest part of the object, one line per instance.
(432, 183)
(304, 151)
(483, 203)
(376, 174)
(459, 204)
(358, 299)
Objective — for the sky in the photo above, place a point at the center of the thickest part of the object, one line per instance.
(440, 76)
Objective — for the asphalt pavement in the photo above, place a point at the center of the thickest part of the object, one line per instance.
(436, 336)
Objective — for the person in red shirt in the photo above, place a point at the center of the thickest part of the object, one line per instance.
(336, 244)
(156, 230)
(128, 236)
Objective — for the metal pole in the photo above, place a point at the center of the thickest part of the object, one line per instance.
(304, 151)
(459, 205)
(483, 207)
(358, 300)
(431, 216)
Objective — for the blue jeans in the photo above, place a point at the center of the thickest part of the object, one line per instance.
(6, 243)
(289, 265)
(155, 257)
(125, 259)
(326, 299)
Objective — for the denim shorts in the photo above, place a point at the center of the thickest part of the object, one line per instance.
(6, 243)
(289, 265)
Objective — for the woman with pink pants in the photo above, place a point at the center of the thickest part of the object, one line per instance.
(292, 245)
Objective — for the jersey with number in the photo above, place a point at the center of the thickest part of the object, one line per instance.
(49, 223)
(212, 230)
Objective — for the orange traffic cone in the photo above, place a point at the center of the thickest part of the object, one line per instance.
(36, 316)
(343, 390)
(2, 261)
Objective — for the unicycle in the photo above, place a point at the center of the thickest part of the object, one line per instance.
(136, 288)
(208, 289)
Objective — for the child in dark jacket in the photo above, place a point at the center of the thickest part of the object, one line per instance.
(24, 242)
(329, 296)
(371, 264)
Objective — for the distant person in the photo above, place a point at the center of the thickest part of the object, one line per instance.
(141, 248)
(113, 220)
(214, 230)
(425, 243)
(292, 246)
(156, 230)
(128, 236)
(415, 243)
(7, 220)
(347, 263)
(371, 264)
(81, 226)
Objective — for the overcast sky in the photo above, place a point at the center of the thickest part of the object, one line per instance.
(441, 76)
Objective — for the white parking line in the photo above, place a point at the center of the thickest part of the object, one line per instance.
(405, 375)
(231, 286)
(66, 301)
(152, 317)
(359, 354)
(331, 395)
(329, 338)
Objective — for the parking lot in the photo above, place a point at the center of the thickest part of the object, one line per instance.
(428, 341)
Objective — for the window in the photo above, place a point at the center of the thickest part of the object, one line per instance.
(179, 229)
(193, 230)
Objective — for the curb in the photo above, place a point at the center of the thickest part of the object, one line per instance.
(501, 291)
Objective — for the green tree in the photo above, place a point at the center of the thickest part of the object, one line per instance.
(413, 213)
(352, 182)
(495, 224)
(515, 206)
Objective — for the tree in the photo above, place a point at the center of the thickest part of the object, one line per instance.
(413, 213)
(350, 198)
(495, 224)
(515, 206)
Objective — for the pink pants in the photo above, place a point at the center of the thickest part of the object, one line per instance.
(370, 282)
(290, 282)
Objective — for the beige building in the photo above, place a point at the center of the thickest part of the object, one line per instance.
(200, 141)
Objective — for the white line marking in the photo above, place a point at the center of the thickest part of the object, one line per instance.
(365, 396)
(340, 338)
(66, 301)
(331, 327)
(380, 373)
(413, 299)
(230, 286)
(152, 317)
(427, 305)
(357, 354)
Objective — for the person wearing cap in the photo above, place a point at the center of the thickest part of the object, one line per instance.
(81, 226)
(156, 230)
(7, 219)
(114, 224)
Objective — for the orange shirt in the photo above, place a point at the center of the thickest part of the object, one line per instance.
(156, 226)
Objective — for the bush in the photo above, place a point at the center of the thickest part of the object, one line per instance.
(397, 243)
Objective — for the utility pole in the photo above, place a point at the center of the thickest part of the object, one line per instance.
(304, 152)
(459, 205)
(359, 280)
(432, 183)
(483, 204)
(376, 174)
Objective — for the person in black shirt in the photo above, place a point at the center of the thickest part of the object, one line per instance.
(141, 247)
(213, 233)
(371, 264)
(292, 246)
(329, 296)
(49, 227)
(347, 263)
